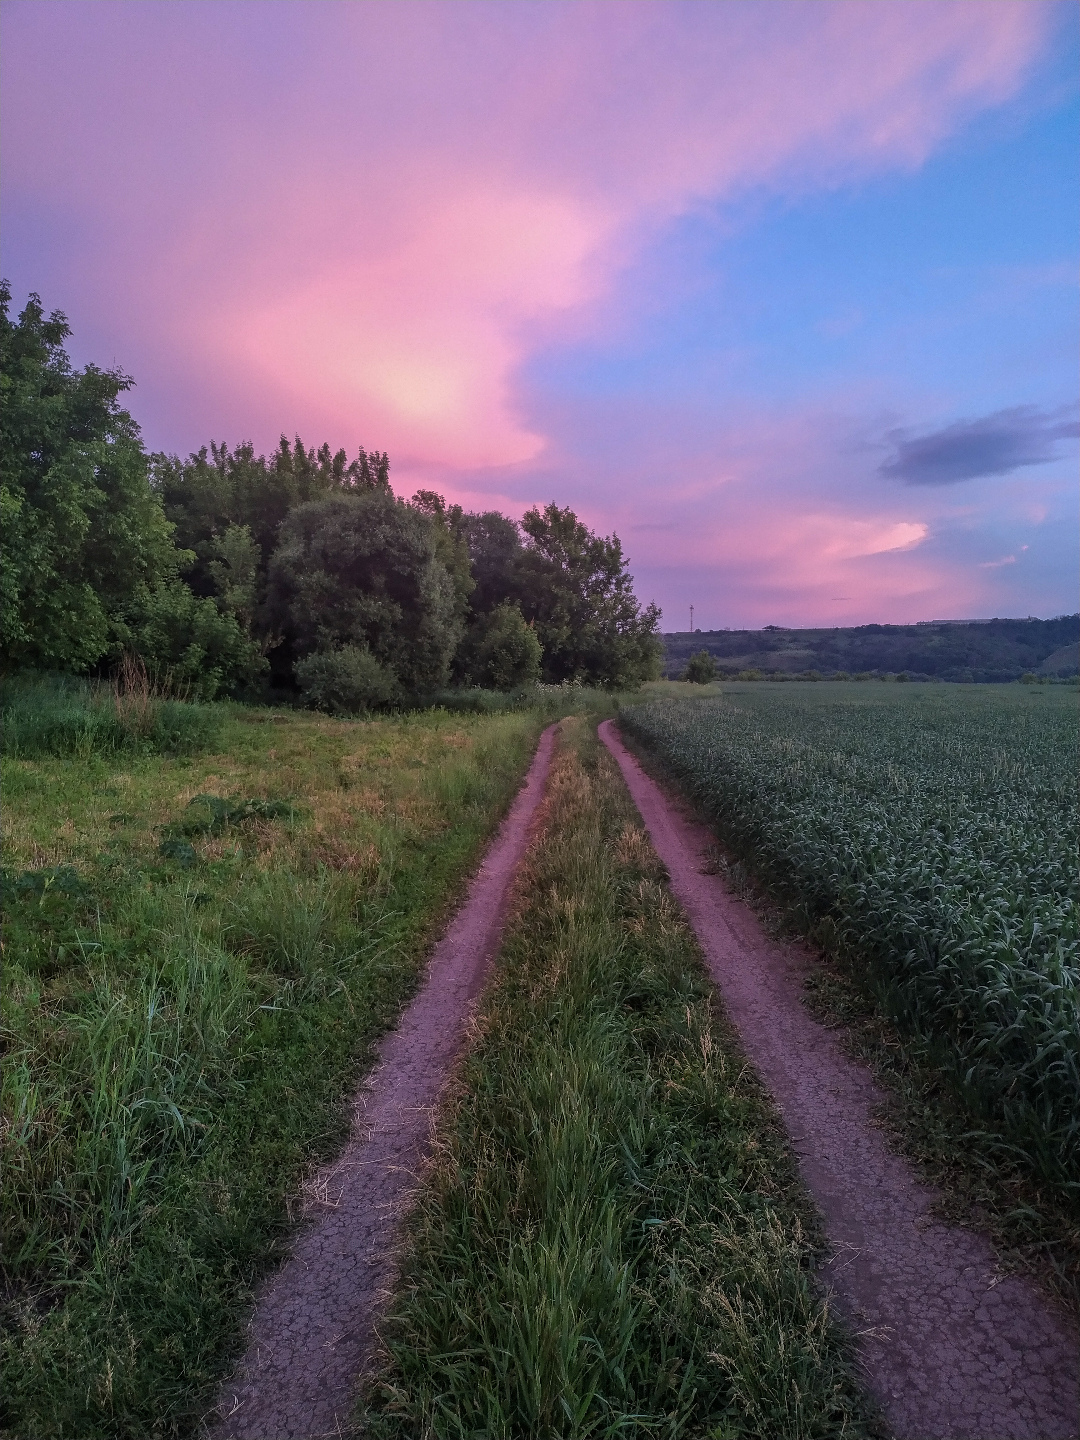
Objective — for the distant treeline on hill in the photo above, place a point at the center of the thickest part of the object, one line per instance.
(298, 573)
(984, 651)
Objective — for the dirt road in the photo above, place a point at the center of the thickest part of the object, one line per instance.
(313, 1327)
(951, 1349)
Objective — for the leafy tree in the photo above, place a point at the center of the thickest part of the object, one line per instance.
(84, 536)
(450, 544)
(501, 651)
(576, 591)
(218, 490)
(233, 567)
(700, 668)
(188, 639)
(363, 570)
(495, 551)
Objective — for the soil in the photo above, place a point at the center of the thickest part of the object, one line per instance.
(314, 1325)
(951, 1348)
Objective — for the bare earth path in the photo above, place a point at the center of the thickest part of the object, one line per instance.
(949, 1348)
(313, 1326)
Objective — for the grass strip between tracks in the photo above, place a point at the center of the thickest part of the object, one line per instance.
(613, 1239)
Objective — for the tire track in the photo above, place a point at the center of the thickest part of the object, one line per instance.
(313, 1327)
(951, 1349)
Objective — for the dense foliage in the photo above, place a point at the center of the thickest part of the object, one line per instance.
(700, 668)
(230, 570)
(90, 564)
(931, 835)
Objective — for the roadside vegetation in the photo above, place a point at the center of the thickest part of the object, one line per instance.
(613, 1240)
(199, 951)
(926, 839)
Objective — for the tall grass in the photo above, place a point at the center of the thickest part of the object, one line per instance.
(930, 836)
(611, 1242)
(62, 715)
(180, 1041)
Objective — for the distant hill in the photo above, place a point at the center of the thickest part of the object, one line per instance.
(963, 650)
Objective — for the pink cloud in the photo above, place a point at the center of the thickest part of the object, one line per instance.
(356, 221)
(359, 222)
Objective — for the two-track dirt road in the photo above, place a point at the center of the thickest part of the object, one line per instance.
(951, 1349)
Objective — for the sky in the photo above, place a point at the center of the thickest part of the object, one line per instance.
(784, 294)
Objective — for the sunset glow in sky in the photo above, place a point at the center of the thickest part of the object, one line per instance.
(783, 293)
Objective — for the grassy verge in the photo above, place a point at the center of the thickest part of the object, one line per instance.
(191, 988)
(982, 1184)
(613, 1240)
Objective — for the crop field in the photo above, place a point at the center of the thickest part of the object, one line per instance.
(930, 835)
(200, 950)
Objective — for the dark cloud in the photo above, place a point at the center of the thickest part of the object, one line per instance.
(994, 445)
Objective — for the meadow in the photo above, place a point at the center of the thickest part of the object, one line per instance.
(929, 835)
(212, 912)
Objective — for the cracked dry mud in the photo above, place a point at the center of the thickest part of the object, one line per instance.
(313, 1327)
(950, 1348)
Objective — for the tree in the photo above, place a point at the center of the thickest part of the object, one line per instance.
(186, 638)
(450, 544)
(84, 535)
(700, 668)
(501, 651)
(363, 571)
(218, 490)
(577, 593)
(345, 681)
(495, 550)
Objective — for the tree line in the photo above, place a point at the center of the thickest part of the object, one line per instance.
(298, 572)
(983, 651)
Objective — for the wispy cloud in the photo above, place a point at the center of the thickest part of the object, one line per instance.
(994, 445)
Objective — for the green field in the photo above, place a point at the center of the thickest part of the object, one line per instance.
(191, 985)
(930, 834)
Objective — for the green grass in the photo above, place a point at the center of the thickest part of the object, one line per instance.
(929, 836)
(613, 1241)
(192, 986)
(49, 715)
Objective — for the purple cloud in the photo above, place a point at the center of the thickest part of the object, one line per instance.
(995, 445)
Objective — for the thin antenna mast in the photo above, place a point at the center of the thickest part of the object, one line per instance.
(691, 619)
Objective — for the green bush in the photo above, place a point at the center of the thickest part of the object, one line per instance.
(503, 652)
(203, 651)
(700, 669)
(346, 681)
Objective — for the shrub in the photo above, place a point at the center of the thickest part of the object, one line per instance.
(346, 681)
(503, 652)
(700, 668)
(186, 638)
